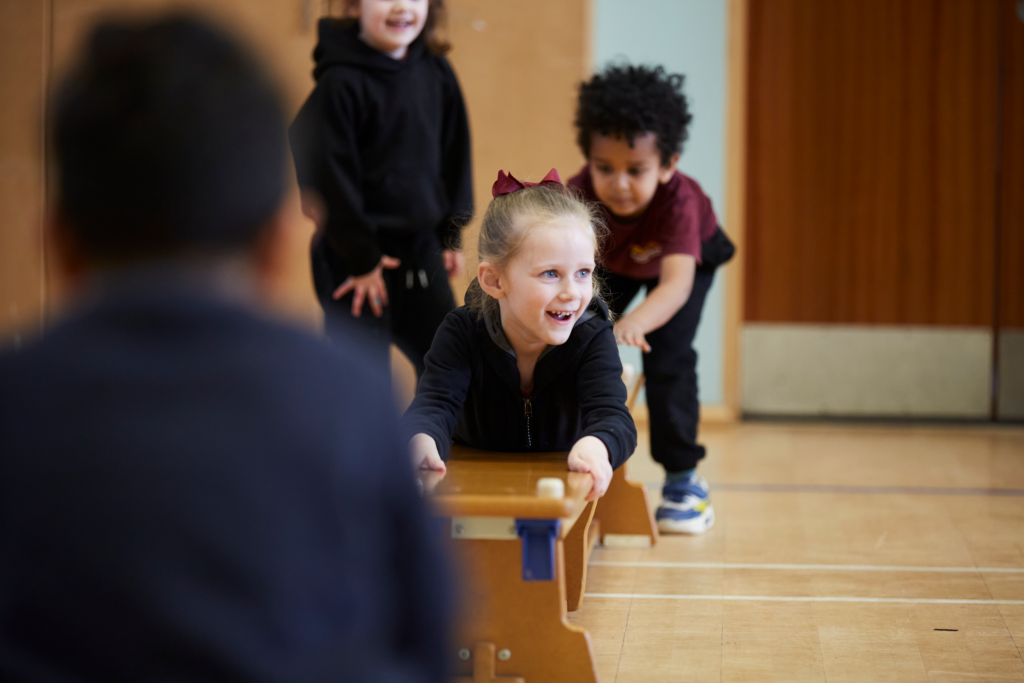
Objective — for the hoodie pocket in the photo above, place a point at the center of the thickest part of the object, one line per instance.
(408, 198)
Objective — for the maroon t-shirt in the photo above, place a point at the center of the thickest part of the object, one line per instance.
(679, 219)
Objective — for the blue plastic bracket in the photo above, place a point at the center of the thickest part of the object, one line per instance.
(538, 547)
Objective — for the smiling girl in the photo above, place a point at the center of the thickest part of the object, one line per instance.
(382, 155)
(530, 363)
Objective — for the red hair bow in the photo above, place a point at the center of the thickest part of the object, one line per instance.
(506, 184)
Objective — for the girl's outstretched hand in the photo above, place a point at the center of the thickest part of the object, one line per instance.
(454, 263)
(589, 454)
(369, 288)
(424, 454)
(630, 334)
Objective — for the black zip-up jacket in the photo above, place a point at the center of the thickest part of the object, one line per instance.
(470, 390)
(385, 143)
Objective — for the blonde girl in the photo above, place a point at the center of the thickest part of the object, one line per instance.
(530, 363)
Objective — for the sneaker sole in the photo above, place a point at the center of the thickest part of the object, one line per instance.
(697, 525)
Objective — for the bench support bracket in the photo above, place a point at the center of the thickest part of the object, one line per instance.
(539, 536)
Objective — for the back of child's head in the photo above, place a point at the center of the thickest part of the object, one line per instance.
(434, 29)
(627, 101)
(511, 217)
(170, 141)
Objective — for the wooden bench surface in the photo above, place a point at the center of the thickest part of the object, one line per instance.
(503, 610)
(487, 484)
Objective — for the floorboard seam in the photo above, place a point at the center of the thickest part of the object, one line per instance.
(625, 629)
(800, 598)
(1012, 639)
(862, 490)
(807, 567)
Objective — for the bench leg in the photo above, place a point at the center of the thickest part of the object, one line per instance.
(577, 553)
(624, 510)
(525, 619)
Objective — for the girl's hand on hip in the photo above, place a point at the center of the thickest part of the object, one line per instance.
(630, 334)
(424, 453)
(589, 454)
(369, 288)
(454, 263)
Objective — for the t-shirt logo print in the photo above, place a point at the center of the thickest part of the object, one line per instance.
(645, 253)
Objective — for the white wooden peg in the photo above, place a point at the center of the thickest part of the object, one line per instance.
(551, 487)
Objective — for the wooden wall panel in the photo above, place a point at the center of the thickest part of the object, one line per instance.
(519, 65)
(1011, 248)
(282, 31)
(24, 25)
(871, 148)
(283, 34)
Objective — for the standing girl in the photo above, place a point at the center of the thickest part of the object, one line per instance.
(382, 155)
(530, 363)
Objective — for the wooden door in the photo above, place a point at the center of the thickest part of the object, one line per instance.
(873, 143)
(872, 149)
(1010, 290)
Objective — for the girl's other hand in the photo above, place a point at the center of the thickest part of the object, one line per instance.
(369, 288)
(424, 453)
(589, 454)
(454, 263)
(631, 334)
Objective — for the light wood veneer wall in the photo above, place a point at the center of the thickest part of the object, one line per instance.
(518, 64)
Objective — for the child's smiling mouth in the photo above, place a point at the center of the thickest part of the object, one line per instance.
(560, 316)
(399, 23)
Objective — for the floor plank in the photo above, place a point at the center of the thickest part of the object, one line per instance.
(790, 578)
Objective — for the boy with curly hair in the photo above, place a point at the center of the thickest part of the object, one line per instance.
(632, 123)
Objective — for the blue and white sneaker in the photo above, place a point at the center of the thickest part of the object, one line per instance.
(685, 507)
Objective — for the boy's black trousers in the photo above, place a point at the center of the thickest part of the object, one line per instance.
(419, 297)
(670, 370)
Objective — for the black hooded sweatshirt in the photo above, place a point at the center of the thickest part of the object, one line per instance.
(385, 143)
(470, 389)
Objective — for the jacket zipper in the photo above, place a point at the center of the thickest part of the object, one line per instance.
(527, 412)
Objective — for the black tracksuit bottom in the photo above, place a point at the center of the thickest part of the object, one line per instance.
(419, 297)
(670, 370)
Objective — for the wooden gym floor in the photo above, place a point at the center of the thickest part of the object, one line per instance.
(840, 553)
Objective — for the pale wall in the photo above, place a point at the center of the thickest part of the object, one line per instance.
(688, 37)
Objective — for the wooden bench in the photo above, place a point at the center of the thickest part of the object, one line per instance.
(523, 559)
(624, 516)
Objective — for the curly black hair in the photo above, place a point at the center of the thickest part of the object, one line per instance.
(632, 100)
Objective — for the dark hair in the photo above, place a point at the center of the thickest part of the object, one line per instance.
(433, 29)
(170, 139)
(632, 100)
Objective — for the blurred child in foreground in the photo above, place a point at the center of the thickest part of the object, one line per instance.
(184, 488)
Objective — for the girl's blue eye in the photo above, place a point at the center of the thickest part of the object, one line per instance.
(585, 272)
(549, 273)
